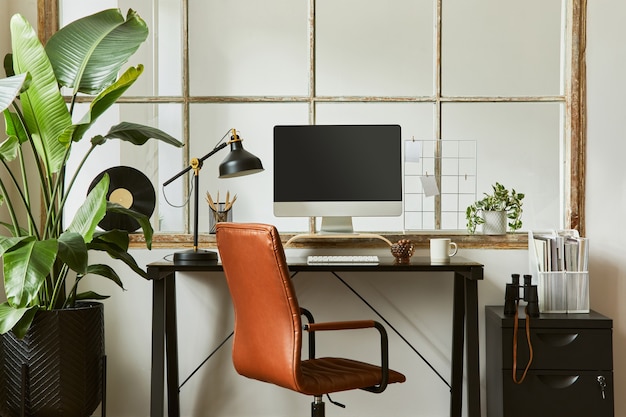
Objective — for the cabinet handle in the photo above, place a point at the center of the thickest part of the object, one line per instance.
(556, 339)
(602, 382)
(559, 381)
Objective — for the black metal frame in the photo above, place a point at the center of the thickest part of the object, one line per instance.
(465, 328)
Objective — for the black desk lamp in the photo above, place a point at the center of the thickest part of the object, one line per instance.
(237, 163)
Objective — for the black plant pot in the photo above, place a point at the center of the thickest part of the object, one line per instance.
(57, 369)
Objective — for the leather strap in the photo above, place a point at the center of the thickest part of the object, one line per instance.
(530, 346)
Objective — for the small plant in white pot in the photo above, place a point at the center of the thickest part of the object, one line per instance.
(504, 205)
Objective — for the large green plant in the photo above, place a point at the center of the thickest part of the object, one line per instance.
(38, 251)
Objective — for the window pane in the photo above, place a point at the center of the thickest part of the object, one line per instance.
(518, 146)
(167, 37)
(156, 160)
(495, 47)
(415, 119)
(169, 217)
(383, 48)
(160, 54)
(70, 10)
(255, 124)
(245, 48)
(248, 47)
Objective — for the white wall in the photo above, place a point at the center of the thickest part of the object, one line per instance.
(5, 39)
(606, 181)
(7, 8)
(203, 300)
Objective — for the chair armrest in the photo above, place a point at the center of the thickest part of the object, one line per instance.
(340, 325)
(361, 324)
(309, 317)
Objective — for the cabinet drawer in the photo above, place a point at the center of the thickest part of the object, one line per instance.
(585, 349)
(558, 393)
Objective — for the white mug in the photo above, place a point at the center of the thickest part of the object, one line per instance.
(441, 250)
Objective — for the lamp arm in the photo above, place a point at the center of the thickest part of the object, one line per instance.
(215, 150)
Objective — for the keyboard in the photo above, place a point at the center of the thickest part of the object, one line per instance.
(342, 260)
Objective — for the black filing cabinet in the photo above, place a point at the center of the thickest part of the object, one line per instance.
(571, 374)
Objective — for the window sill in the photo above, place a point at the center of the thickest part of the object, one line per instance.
(420, 239)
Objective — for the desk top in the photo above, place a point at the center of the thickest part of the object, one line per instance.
(465, 267)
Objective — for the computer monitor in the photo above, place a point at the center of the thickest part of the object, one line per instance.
(337, 172)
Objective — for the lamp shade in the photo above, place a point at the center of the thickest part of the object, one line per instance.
(239, 162)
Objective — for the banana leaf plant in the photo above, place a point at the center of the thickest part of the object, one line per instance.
(39, 252)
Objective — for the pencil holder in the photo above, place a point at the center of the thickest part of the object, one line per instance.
(219, 216)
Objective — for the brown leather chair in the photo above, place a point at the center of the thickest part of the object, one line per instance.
(268, 327)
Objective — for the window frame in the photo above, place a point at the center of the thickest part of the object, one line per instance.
(574, 99)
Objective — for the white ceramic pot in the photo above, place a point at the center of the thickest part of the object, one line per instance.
(495, 222)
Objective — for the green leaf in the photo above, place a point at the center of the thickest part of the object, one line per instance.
(142, 219)
(91, 295)
(23, 325)
(100, 104)
(116, 252)
(9, 89)
(73, 251)
(7, 243)
(88, 53)
(91, 211)
(116, 237)
(14, 126)
(139, 134)
(45, 112)
(9, 227)
(98, 140)
(107, 272)
(18, 319)
(8, 148)
(26, 266)
(8, 65)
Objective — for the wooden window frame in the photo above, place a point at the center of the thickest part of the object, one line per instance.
(574, 99)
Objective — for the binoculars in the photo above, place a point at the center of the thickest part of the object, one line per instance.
(516, 292)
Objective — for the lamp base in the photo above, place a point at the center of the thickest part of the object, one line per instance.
(192, 256)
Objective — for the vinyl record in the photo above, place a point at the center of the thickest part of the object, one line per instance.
(129, 188)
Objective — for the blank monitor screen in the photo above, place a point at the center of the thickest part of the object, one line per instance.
(337, 171)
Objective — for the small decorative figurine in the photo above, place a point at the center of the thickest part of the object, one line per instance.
(402, 251)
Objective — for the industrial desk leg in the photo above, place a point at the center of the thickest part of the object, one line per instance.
(473, 357)
(171, 346)
(465, 315)
(458, 321)
(164, 342)
(465, 322)
(158, 348)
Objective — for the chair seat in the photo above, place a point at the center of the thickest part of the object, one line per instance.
(326, 375)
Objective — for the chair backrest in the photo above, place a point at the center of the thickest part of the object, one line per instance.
(268, 328)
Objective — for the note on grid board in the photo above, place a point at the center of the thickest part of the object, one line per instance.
(455, 184)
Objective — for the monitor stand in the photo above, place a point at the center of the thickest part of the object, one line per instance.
(336, 224)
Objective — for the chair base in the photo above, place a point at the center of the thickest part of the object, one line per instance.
(317, 407)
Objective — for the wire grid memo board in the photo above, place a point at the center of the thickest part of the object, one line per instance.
(456, 188)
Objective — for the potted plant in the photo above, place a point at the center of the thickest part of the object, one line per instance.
(503, 205)
(44, 259)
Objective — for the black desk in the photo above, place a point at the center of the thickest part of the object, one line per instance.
(465, 320)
